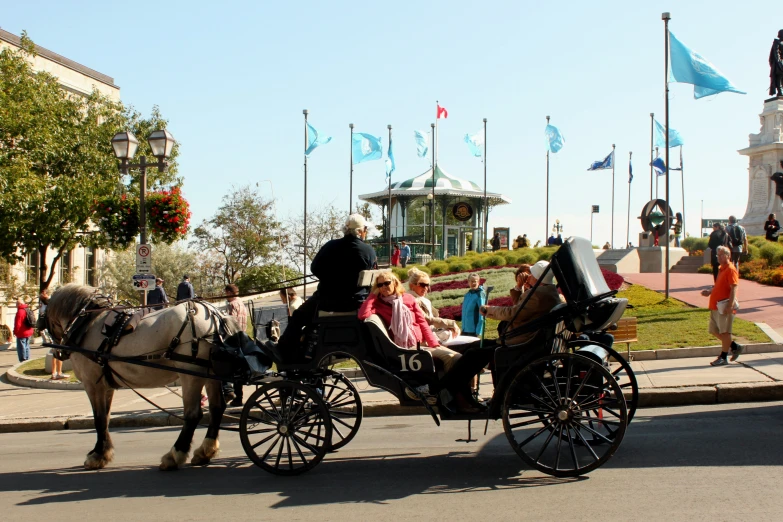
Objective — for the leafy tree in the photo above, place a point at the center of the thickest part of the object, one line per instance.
(243, 232)
(263, 278)
(323, 224)
(56, 160)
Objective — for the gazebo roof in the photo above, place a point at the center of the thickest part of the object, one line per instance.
(445, 185)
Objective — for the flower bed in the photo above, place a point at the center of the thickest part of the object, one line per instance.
(455, 312)
(453, 285)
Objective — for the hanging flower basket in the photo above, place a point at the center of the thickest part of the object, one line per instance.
(168, 215)
(117, 217)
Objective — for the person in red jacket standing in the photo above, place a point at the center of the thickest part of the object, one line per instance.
(22, 331)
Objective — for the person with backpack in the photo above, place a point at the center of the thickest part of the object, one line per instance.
(24, 326)
(718, 237)
(738, 240)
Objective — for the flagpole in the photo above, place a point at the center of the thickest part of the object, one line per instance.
(682, 178)
(546, 223)
(486, 205)
(350, 192)
(628, 219)
(388, 227)
(656, 177)
(304, 235)
(432, 206)
(613, 162)
(666, 17)
(652, 124)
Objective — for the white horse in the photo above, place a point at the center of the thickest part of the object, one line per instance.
(152, 336)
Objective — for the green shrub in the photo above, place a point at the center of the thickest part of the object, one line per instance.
(773, 253)
(477, 262)
(527, 258)
(758, 241)
(438, 267)
(753, 252)
(510, 256)
(400, 272)
(471, 253)
(459, 266)
(545, 254)
(705, 269)
(497, 260)
(692, 244)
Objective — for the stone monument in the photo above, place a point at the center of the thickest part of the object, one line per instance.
(764, 153)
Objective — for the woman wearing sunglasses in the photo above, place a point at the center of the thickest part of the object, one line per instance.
(404, 319)
(419, 285)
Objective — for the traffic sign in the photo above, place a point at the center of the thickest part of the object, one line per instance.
(144, 282)
(143, 259)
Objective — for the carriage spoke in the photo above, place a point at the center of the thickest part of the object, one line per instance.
(557, 386)
(279, 454)
(343, 413)
(299, 451)
(546, 443)
(573, 449)
(258, 432)
(337, 430)
(536, 434)
(568, 381)
(604, 421)
(335, 419)
(290, 456)
(593, 432)
(543, 387)
(269, 450)
(526, 423)
(346, 401)
(305, 444)
(584, 380)
(586, 444)
(257, 444)
(528, 413)
(312, 435)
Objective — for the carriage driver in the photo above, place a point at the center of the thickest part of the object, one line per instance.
(337, 266)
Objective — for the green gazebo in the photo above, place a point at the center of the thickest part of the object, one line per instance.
(454, 215)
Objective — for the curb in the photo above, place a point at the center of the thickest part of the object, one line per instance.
(648, 398)
(45, 384)
(700, 351)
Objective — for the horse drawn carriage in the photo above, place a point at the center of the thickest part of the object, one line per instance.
(565, 401)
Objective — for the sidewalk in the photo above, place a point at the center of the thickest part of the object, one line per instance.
(662, 382)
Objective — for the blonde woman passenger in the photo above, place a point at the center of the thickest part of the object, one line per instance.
(419, 287)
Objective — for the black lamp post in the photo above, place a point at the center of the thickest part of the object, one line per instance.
(125, 145)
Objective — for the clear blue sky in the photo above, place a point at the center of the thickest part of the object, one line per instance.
(233, 79)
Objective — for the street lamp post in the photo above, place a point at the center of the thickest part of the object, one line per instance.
(557, 228)
(125, 145)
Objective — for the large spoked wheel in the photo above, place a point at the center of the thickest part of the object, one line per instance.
(578, 401)
(285, 428)
(622, 372)
(344, 404)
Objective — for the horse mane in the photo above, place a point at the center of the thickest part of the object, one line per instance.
(67, 301)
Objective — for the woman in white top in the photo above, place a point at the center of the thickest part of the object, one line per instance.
(419, 285)
(288, 296)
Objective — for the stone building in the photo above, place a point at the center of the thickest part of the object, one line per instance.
(81, 265)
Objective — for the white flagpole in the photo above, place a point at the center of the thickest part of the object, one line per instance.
(388, 222)
(546, 223)
(682, 178)
(304, 235)
(486, 206)
(652, 124)
(666, 17)
(432, 207)
(613, 162)
(350, 192)
(628, 219)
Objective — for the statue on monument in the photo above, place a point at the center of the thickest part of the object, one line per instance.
(776, 66)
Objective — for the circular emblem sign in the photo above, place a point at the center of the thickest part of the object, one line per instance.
(462, 211)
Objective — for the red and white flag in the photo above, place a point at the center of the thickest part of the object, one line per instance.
(442, 112)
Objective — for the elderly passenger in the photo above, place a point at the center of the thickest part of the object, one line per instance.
(419, 287)
(403, 318)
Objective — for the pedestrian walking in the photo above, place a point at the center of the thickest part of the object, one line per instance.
(185, 289)
(677, 228)
(738, 240)
(157, 296)
(395, 258)
(405, 254)
(718, 238)
(236, 308)
(772, 228)
(723, 305)
(23, 329)
(496, 242)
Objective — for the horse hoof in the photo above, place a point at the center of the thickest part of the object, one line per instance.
(96, 461)
(173, 460)
(205, 453)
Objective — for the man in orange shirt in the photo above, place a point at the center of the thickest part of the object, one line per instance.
(725, 289)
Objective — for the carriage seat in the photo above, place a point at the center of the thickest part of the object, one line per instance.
(367, 277)
(396, 358)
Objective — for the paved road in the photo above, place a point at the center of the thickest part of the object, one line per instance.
(694, 463)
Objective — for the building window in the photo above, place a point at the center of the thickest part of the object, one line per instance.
(89, 266)
(65, 267)
(32, 264)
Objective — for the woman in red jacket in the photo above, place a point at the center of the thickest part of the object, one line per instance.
(395, 258)
(22, 331)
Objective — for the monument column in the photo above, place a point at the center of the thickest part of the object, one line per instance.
(765, 152)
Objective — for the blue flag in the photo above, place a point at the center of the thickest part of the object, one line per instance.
(390, 166)
(315, 138)
(366, 147)
(607, 163)
(630, 171)
(476, 143)
(421, 143)
(688, 66)
(675, 140)
(554, 140)
(659, 166)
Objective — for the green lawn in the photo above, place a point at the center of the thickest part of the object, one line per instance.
(669, 323)
(36, 368)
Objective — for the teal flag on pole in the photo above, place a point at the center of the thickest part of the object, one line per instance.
(554, 140)
(366, 147)
(475, 143)
(315, 138)
(422, 139)
(688, 66)
(675, 140)
(390, 166)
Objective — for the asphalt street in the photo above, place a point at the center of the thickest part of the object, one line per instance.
(721, 462)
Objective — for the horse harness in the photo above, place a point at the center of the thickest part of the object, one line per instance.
(119, 323)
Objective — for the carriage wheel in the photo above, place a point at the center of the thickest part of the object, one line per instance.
(622, 372)
(563, 391)
(345, 407)
(285, 428)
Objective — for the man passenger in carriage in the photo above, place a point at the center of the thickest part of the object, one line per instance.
(337, 266)
(540, 302)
